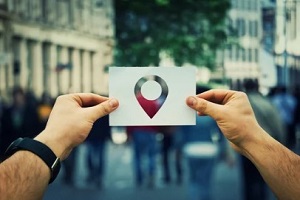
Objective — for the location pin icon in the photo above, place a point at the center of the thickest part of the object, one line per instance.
(149, 105)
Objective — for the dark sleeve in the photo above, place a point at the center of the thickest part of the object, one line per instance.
(101, 129)
(6, 134)
(33, 123)
(297, 113)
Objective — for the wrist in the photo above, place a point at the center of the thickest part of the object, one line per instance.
(39, 149)
(258, 140)
(55, 144)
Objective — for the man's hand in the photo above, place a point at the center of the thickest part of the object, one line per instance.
(71, 120)
(233, 113)
(24, 175)
(278, 165)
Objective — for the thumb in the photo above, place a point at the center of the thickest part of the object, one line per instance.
(102, 109)
(203, 106)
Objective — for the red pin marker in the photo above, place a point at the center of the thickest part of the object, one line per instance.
(151, 106)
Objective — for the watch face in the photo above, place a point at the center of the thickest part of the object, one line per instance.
(10, 150)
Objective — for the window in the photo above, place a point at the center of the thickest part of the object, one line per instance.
(16, 48)
(1, 44)
(249, 4)
(293, 23)
(234, 3)
(99, 3)
(255, 5)
(70, 12)
(62, 8)
(81, 57)
(79, 12)
(2, 2)
(45, 59)
(70, 63)
(44, 10)
(242, 3)
(243, 52)
(58, 67)
(11, 5)
(58, 52)
(21, 8)
(237, 53)
(250, 55)
(36, 10)
(30, 55)
(230, 52)
(256, 55)
(16, 60)
(250, 24)
(241, 27)
(255, 27)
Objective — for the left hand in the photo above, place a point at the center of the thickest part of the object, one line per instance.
(71, 120)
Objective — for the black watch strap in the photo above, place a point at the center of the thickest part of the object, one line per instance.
(41, 150)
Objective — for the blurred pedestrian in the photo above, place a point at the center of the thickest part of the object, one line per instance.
(96, 142)
(20, 119)
(2, 108)
(270, 120)
(144, 144)
(297, 119)
(2, 105)
(44, 109)
(202, 147)
(286, 105)
(31, 99)
(169, 145)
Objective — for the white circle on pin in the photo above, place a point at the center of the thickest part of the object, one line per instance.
(151, 90)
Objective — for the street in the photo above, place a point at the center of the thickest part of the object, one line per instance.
(118, 183)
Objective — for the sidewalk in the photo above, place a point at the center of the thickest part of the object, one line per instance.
(119, 182)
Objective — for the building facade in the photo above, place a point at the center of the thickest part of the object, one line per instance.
(56, 46)
(240, 60)
(287, 50)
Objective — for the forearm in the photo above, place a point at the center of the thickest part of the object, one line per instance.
(279, 166)
(23, 176)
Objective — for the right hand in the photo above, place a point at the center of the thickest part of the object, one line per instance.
(233, 114)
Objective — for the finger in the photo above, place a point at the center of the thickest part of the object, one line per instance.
(219, 96)
(102, 109)
(89, 99)
(204, 107)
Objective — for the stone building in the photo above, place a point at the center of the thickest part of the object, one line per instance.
(55, 46)
(240, 60)
(287, 50)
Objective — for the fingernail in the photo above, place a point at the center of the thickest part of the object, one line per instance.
(191, 101)
(113, 103)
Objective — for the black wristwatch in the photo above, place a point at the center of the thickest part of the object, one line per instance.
(39, 149)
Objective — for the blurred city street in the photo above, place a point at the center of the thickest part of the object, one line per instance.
(53, 48)
(119, 182)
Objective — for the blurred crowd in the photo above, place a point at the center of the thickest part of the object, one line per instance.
(22, 115)
(202, 145)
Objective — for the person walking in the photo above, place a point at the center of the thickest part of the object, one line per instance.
(96, 144)
(286, 104)
(20, 119)
(144, 144)
(203, 144)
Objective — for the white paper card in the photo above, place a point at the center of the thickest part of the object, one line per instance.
(179, 81)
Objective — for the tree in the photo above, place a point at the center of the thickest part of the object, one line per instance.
(190, 31)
